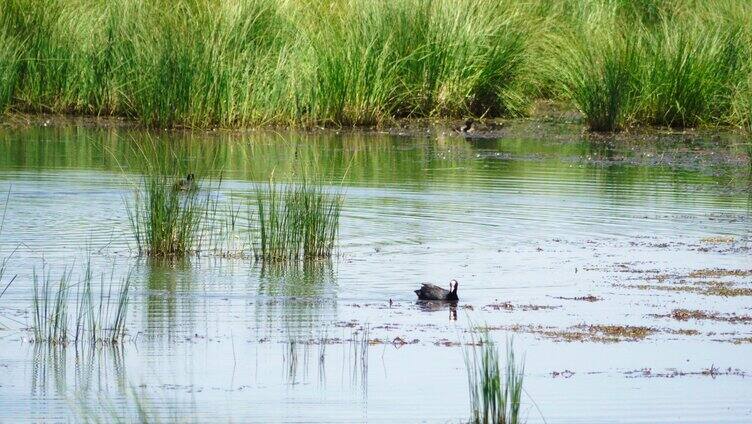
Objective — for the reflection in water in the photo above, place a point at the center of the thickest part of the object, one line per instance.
(353, 359)
(298, 296)
(169, 303)
(310, 278)
(133, 405)
(49, 366)
(433, 306)
(95, 369)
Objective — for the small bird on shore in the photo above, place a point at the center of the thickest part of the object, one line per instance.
(186, 184)
(433, 292)
(468, 127)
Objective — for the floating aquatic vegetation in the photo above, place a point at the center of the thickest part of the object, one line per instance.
(687, 314)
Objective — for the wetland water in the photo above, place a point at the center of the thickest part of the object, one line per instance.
(590, 256)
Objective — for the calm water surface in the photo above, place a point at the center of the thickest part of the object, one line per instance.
(528, 222)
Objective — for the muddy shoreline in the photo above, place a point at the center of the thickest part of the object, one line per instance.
(549, 120)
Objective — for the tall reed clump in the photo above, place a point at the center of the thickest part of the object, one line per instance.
(199, 63)
(9, 63)
(379, 60)
(165, 219)
(495, 388)
(171, 206)
(692, 73)
(208, 63)
(296, 221)
(601, 78)
(204, 63)
(98, 318)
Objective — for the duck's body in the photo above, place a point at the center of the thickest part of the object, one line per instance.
(468, 127)
(434, 292)
(186, 184)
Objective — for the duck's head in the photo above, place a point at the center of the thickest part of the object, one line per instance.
(454, 284)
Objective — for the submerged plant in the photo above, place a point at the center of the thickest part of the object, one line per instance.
(296, 221)
(495, 388)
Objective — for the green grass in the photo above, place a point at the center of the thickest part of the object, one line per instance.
(692, 74)
(102, 319)
(495, 387)
(601, 79)
(643, 63)
(204, 63)
(210, 63)
(166, 221)
(168, 214)
(296, 221)
(9, 63)
(50, 307)
(743, 106)
(97, 319)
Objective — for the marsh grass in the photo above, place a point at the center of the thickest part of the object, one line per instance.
(692, 73)
(165, 221)
(169, 214)
(98, 318)
(50, 307)
(377, 60)
(495, 387)
(205, 63)
(296, 221)
(9, 63)
(601, 78)
(102, 319)
(229, 237)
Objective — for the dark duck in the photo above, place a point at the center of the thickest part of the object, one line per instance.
(186, 184)
(467, 128)
(433, 292)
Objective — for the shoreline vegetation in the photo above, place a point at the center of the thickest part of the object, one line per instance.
(299, 63)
